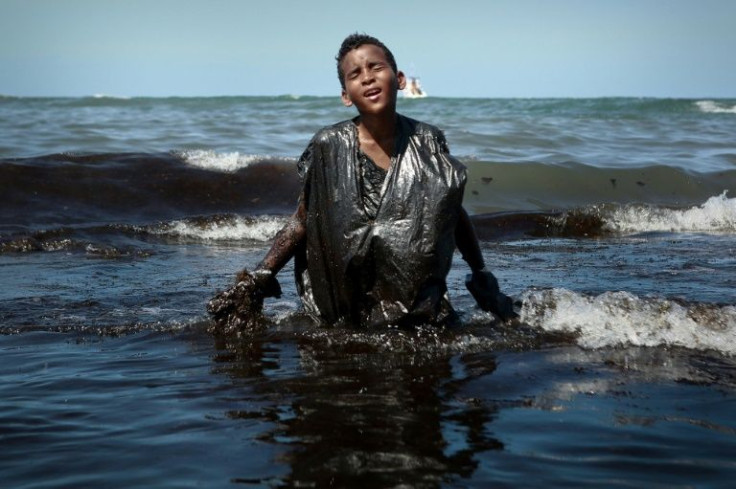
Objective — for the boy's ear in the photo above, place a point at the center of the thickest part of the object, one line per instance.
(346, 99)
(401, 79)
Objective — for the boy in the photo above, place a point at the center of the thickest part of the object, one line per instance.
(378, 219)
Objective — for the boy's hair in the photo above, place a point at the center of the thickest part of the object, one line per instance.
(354, 41)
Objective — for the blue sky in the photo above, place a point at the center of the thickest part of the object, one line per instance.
(460, 48)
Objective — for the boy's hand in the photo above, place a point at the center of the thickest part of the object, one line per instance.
(240, 307)
(264, 282)
(483, 286)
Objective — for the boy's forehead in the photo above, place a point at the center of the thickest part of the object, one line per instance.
(369, 52)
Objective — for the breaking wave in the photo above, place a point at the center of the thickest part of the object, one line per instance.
(112, 241)
(713, 107)
(225, 162)
(717, 214)
(614, 319)
(221, 228)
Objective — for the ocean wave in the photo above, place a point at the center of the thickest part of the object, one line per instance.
(713, 107)
(111, 97)
(535, 186)
(221, 228)
(68, 189)
(225, 162)
(112, 240)
(534, 199)
(614, 319)
(65, 240)
(717, 214)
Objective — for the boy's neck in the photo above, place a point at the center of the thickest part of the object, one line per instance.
(378, 129)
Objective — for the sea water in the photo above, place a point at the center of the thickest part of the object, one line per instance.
(611, 221)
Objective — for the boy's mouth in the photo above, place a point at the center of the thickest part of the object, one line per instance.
(373, 92)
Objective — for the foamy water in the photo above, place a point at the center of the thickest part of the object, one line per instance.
(620, 319)
(212, 160)
(713, 107)
(717, 214)
(223, 229)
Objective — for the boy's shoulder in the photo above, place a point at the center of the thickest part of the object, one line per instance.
(426, 133)
(328, 133)
(414, 127)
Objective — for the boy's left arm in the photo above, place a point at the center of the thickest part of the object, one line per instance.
(467, 242)
(481, 283)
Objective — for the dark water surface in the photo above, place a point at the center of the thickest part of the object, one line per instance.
(290, 409)
(110, 379)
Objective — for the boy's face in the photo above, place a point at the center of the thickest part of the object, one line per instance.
(370, 82)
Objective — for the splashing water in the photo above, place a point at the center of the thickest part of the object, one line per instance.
(211, 160)
(717, 214)
(620, 318)
(712, 107)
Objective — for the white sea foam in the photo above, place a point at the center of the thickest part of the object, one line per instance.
(712, 107)
(112, 97)
(717, 214)
(620, 318)
(235, 228)
(211, 160)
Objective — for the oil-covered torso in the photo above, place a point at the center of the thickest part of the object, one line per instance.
(385, 265)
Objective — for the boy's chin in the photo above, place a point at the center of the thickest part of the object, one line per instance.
(378, 108)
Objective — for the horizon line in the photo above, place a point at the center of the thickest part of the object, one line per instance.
(298, 96)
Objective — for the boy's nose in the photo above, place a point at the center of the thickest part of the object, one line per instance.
(367, 77)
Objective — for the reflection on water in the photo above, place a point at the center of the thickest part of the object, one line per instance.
(434, 409)
(296, 406)
(355, 414)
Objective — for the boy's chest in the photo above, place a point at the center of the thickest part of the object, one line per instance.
(377, 155)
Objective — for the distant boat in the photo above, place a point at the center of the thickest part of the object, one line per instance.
(413, 88)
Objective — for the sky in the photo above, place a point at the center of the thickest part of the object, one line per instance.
(459, 48)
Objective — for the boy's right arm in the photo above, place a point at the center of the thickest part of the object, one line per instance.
(286, 242)
(239, 307)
